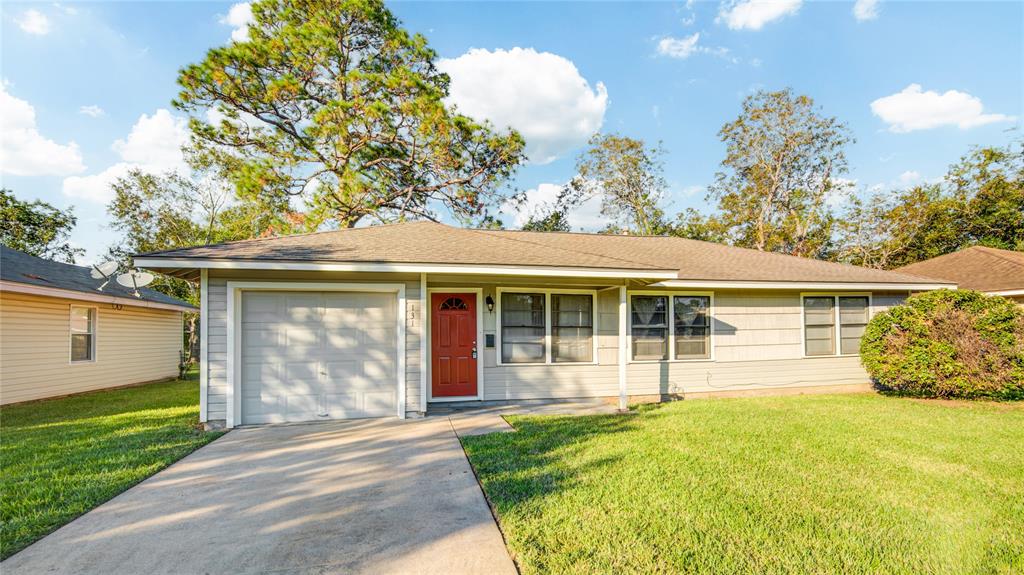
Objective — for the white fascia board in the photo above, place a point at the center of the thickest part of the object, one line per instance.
(162, 263)
(1008, 292)
(799, 285)
(15, 287)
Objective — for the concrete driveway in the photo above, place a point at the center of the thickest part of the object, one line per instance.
(368, 496)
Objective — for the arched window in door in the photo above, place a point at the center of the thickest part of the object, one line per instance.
(453, 303)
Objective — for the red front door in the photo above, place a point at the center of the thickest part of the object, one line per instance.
(453, 345)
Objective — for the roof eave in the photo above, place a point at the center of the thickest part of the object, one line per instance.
(808, 285)
(99, 297)
(158, 264)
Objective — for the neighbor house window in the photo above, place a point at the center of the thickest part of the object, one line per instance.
(522, 328)
(827, 332)
(692, 326)
(572, 327)
(650, 327)
(83, 333)
(546, 326)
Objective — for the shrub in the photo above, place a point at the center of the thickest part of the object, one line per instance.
(949, 344)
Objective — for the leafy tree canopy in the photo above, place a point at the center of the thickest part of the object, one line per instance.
(37, 228)
(980, 202)
(333, 101)
(783, 161)
(627, 176)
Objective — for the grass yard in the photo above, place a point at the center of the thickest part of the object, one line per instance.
(807, 484)
(61, 457)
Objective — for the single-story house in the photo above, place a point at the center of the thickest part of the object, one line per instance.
(386, 320)
(989, 270)
(59, 334)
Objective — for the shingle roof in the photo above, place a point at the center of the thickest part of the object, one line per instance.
(434, 243)
(19, 267)
(977, 268)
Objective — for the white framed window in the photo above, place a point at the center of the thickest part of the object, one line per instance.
(834, 323)
(82, 334)
(543, 326)
(670, 326)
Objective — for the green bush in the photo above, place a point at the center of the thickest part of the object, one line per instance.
(949, 344)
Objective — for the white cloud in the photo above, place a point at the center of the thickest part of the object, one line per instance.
(908, 177)
(682, 48)
(754, 14)
(240, 18)
(539, 94)
(153, 145)
(538, 201)
(865, 10)
(34, 22)
(912, 109)
(92, 111)
(24, 151)
(678, 47)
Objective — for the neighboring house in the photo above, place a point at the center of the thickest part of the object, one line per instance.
(388, 319)
(989, 270)
(59, 335)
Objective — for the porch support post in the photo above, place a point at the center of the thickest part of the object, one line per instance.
(204, 348)
(424, 337)
(623, 345)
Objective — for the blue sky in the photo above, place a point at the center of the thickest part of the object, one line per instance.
(87, 87)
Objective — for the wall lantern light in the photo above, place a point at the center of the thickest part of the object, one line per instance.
(490, 303)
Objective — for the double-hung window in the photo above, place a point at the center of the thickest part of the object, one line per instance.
(522, 327)
(672, 326)
(546, 326)
(83, 333)
(834, 324)
(572, 327)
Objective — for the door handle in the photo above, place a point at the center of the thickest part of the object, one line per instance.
(474, 352)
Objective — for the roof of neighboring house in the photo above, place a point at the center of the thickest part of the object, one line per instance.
(435, 243)
(22, 268)
(977, 268)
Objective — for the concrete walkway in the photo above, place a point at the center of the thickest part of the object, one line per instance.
(480, 418)
(369, 496)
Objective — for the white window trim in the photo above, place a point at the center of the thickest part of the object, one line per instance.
(234, 322)
(547, 324)
(837, 344)
(428, 318)
(671, 325)
(93, 356)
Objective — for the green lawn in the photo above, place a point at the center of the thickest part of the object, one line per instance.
(809, 484)
(61, 457)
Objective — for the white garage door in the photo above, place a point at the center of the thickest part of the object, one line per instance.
(317, 355)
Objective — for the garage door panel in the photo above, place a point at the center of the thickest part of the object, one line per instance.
(260, 336)
(378, 401)
(343, 405)
(309, 356)
(304, 307)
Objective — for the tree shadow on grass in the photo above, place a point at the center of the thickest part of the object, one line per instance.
(543, 456)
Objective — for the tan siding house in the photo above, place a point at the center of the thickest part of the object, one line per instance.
(58, 341)
(501, 316)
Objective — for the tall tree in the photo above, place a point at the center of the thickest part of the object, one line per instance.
(981, 201)
(157, 212)
(551, 221)
(628, 178)
(37, 228)
(333, 101)
(783, 161)
(988, 184)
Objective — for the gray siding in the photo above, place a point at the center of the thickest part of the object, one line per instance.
(757, 346)
(218, 329)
